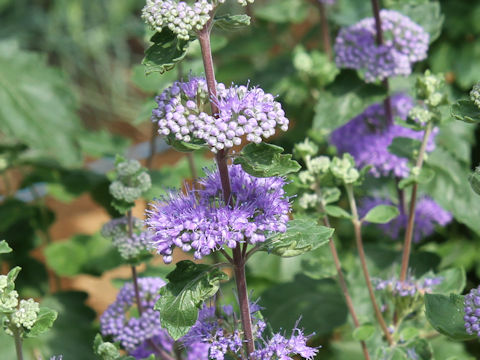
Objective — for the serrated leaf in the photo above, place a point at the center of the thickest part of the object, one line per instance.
(266, 160)
(302, 235)
(4, 248)
(363, 332)
(453, 281)
(404, 147)
(466, 110)
(445, 313)
(167, 50)
(189, 286)
(381, 214)
(232, 22)
(183, 146)
(337, 211)
(45, 319)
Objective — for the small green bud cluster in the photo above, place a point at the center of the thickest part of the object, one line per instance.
(8, 296)
(429, 88)
(475, 94)
(344, 169)
(421, 114)
(315, 65)
(26, 315)
(131, 181)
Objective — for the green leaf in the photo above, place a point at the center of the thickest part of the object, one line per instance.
(266, 160)
(424, 177)
(167, 50)
(364, 332)
(337, 211)
(314, 299)
(45, 319)
(282, 11)
(474, 180)
(428, 15)
(12, 276)
(302, 235)
(466, 110)
(37, 104)
(381, 214)
(4, 248)
(232, 22)
(347, 97)
(182, 146)
(445, 314)
(404, 147)
(454, 281)
(409, 333)
(189, 286)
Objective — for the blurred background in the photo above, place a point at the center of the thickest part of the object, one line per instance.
(73, 93)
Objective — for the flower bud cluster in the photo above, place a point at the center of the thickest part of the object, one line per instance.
(410, 287)
(131, 181)
(180, 17)
(344, 169)
(128, 246)
(8, 296)
(243, 111)
(26, 315)
(472, 312)
(475, 94)
(132, 332)
(405, 43)
(429, 88)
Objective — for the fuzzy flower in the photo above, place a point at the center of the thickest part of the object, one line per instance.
(367, 138)
(280, 347)
(410, 287)
(128, 247)
(472, 312)
(180, 17)
(243, 111)
(428, 214)
(130, 331)
(201, 221)
(405, 43)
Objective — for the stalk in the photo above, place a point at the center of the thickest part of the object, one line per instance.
(18, 344)
(221, 158)
(411, 212)
(327, 47)
(387, 104)
(361, 252)
(343, 283)
(151, 153)
(159, 351)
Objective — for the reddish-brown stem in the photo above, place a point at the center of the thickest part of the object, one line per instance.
(151, 153)
(411, 211)
(357, 225)
(387, 104)
(343, 284)
(327, 47)
(221, 158)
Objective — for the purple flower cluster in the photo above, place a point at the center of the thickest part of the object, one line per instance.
(201, 221)
(129, 247)
(243, 111)
(410, 287)
(367, 138)
(472, 312)
(133, 333)
(221, 334)
(427, 214)
(405, 43)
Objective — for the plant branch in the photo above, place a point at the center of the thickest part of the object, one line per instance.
(357, 225)
(411, 212)
(18, 343)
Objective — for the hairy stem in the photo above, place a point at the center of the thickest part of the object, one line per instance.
(221, 158)
(18, 343)
(341, 279)
(357, 225)
(327, 47)
(407, 245)
(387, 104)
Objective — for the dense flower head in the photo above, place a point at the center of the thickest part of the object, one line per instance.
(405, 43)
(130, 331)
(26, 314)
(367, 138)
(201, 221)
(280, 347)
(243, 111)
(472, 312)
(180, 17)
(409, 287)
(475, 94)
(128, 246)
(131, 180)
(428, 214)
